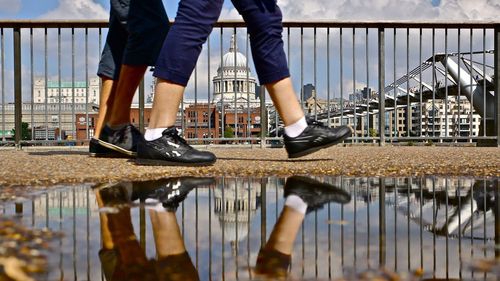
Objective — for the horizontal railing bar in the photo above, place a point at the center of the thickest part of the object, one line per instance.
(286, 24)
(424, 138)
(418, 138)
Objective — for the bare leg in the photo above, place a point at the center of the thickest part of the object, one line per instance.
(167, 235)
(121, 99)
(117, 232)
(166, 103)
(107, 88)
(285, 101)
(107, 240)
(285, 230)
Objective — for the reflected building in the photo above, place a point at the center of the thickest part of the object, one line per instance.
(69, 202)
(236, 203)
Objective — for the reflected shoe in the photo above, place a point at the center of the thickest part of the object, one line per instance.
(114, 194)
(272, 263)
(314, 138)
(168, 192)
(314, 193)
(172, 150)
(123, 140)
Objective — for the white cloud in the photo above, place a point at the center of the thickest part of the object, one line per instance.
(470, 10)
(77, 9)
(386, 10)
(10, 6)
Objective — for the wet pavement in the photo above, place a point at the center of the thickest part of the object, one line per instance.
(52, 165)
(257, 228)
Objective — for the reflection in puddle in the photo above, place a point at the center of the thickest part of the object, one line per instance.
(266, 228)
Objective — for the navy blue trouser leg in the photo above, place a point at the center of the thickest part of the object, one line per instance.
(182, 47)
(264, 23)
(193, 25)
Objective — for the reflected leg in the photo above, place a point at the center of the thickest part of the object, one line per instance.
(122, 257)
(174, 262)
(275, 257)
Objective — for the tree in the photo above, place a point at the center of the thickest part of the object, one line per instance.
(228, 132)
(25, 131)
(373, 132)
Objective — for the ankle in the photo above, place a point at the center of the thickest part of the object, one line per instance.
(295, 129)
(153, 133)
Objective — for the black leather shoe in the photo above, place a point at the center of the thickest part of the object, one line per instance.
(123, 141)
(314, 138)
(97, 150)
(315, 193)
(168, 192)
(172, 150)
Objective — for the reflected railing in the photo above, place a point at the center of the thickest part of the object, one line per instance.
(426, 227)
(438, 82)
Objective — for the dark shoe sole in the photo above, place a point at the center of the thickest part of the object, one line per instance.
(118, 149)
(108, 155)
(314, 149)
(99, 151)
(152, 162)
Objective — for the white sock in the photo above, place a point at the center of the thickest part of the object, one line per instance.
(296, 203)
(296, 128)
(153, 134)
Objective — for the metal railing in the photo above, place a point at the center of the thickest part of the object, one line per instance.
(336, 58)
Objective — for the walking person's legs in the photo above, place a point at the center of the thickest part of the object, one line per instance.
(134, 40)
(108, 70)
(181, 49)
(264, 22)
(192, 26)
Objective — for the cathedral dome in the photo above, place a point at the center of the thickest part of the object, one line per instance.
(230, 59)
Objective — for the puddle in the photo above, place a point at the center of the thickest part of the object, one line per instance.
(255, 228)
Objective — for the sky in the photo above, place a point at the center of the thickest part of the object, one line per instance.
(292, 9)
(462, 10)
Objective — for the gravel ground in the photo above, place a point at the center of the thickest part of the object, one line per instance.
(50, 166)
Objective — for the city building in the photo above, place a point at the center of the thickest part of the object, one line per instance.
(308, 90)
(234, 111)
(52, 121)
(446, 119)
(66, 91)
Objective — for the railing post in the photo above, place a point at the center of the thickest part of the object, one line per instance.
(381, 86)
(263, 213)
(141, 106)
(496, 212)
(18, 103)
(496, 82)
(382, 222)
(263, 117)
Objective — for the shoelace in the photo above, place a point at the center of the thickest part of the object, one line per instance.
(177, 138)
(315, 124)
